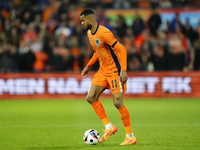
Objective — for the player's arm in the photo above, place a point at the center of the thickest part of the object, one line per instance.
(92, 60)
(87, 68)
(110, 40)
(123, 54)
(123, 61)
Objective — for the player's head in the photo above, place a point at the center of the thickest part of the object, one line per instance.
(87, 18)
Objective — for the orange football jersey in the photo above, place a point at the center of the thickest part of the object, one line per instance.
(103, 42)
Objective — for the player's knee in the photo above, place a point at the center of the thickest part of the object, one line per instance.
(91, 99)
(118, 103)
(118, 100)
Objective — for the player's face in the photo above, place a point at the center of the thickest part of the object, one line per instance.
(85, 21)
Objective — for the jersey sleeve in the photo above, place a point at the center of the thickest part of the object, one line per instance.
(112, 42)
(123, 54)
(109, 38)
(92, 60)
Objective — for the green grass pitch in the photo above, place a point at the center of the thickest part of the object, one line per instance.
(160, 124)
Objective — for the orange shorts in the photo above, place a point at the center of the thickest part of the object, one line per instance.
(108, 82)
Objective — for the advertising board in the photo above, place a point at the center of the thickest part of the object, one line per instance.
(72, 85)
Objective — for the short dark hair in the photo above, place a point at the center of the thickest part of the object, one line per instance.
(87, 12)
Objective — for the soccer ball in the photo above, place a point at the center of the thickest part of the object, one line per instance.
(91, 137)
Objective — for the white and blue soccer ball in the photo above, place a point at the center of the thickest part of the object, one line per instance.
(91, 137)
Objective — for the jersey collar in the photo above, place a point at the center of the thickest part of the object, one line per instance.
(95, 30)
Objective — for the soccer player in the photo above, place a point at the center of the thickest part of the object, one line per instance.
(112, 74)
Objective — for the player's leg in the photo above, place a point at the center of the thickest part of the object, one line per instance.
(117, 90)
(94, 93)
(92, 97)
(99, 84)
(125, 117)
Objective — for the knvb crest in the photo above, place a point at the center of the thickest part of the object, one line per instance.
(97, 41)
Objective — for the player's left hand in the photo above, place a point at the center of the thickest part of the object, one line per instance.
(123, 77)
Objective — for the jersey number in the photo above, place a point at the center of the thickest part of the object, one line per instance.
(114, 83)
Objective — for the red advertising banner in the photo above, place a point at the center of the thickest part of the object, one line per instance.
(72, 85)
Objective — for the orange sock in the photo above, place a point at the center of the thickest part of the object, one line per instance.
(100, 111)
(125, 116)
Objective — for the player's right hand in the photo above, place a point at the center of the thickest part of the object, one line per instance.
(85, 71)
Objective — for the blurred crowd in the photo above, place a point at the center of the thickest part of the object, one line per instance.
(46, 36)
